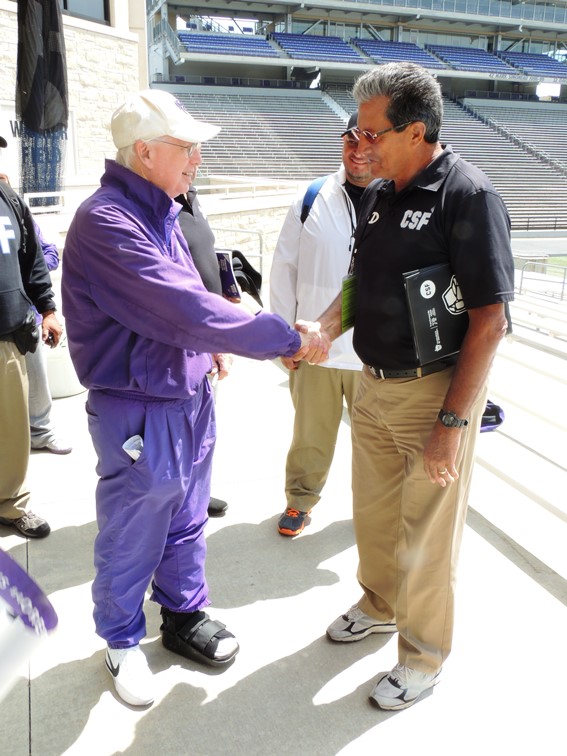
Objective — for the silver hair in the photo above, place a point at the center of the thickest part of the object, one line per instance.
(125, 156)
(413, 93)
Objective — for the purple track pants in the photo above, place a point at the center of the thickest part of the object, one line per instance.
(151, 513)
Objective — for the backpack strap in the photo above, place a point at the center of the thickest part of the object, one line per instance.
(312, 191)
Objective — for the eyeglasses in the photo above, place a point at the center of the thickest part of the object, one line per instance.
(190, 148)
(370, 137)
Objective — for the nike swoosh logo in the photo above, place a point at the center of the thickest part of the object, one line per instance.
(111, 668)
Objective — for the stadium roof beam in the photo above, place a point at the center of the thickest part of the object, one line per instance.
(313, 25)
(351, 14)
(373, 32)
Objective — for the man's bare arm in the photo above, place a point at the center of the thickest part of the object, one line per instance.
(330, 328)
(487, 326)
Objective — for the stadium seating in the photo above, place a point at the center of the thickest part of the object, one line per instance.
(275, 135)
(342, 96)
(522, 179)
(227, 44)
(541, 126)
(470, 59)
(267, 134)
(535, 65)
(384, 52)
(315, 47)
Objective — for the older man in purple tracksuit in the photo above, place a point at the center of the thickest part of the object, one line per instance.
(141, 328)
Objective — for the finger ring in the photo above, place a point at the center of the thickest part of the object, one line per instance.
(443, 472)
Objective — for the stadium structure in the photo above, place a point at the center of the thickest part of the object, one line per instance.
(277, 76)
(279, 82)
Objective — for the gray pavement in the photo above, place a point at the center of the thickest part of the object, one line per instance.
(290, 690)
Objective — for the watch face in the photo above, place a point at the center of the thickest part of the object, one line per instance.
(449, 420)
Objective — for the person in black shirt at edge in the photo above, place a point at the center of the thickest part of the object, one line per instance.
(414, 428)
(24, 281)
(201, 242)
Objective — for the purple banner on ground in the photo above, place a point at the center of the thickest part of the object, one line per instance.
(24, 598)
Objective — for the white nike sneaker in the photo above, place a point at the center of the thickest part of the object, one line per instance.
(132, 678)
(401, 687)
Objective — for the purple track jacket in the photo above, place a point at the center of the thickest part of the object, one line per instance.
(138, 318)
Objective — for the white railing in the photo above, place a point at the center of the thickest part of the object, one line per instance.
(542, 277)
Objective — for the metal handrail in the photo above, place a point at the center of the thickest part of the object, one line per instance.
(545, 279)
(254, 255)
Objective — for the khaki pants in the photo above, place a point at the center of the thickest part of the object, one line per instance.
(15, 432)
(408, 530)
(317, 394)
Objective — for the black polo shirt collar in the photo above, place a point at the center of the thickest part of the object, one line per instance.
(433, 176)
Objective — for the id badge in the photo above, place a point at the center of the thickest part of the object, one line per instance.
(348, 303)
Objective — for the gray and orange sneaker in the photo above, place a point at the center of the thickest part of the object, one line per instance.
(292, 522)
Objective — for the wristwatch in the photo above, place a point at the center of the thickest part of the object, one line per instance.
(450, 420)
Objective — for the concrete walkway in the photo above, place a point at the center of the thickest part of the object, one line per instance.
(290, 690)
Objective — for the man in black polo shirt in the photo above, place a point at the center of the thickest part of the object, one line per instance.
(414, 427)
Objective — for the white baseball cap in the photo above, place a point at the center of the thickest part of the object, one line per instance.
(153, 113)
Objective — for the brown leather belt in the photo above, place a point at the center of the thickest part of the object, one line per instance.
(419, 372)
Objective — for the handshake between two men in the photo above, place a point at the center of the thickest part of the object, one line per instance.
(315, 345)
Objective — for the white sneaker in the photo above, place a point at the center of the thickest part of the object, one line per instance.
(355, 625)
(55, 446)
(402, 687)
(132, 677)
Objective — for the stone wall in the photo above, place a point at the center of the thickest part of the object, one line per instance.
(9, 162)
(9, 49)
(102, 67)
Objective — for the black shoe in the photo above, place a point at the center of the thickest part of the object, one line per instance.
(196, 636)
(217, 507)
(29, 525)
